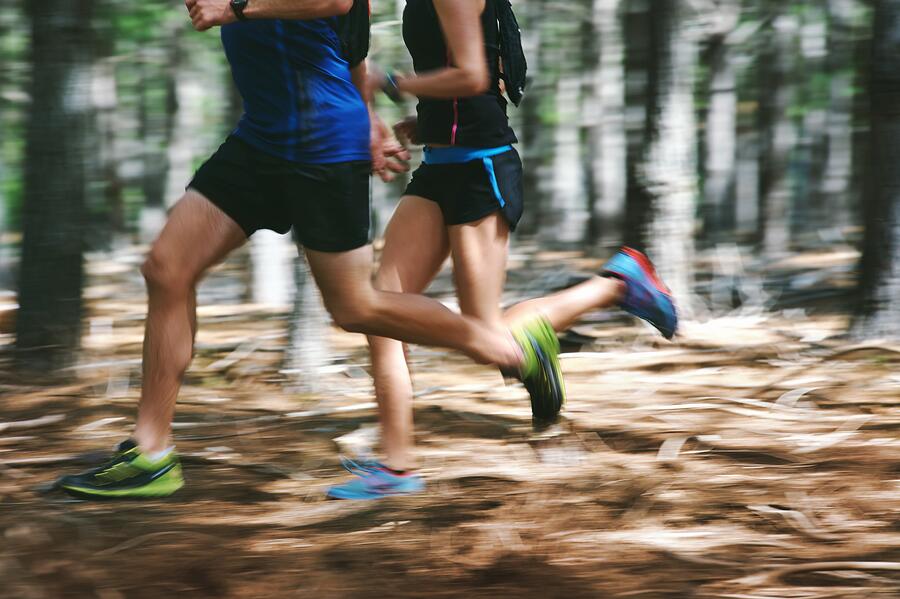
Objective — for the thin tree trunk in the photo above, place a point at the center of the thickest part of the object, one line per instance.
(670, 169)
(271, 264)
(155, 130)
(531, 132)
(878, 312)
(48, 326)
(187, 121)
(642, 65)
(566, 223)
(779, 134)
(663, 188)
(107, 155)
(807, 213)
(605, 157)
(838, 171)
(308, 351)
(720, 143)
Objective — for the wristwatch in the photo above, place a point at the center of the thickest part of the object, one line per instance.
(237, 7)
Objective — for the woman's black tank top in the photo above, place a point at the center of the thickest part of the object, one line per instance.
(475, 122)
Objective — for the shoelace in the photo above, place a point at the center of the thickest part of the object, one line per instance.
(363, 467)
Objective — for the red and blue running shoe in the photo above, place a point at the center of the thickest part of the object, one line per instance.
(374, 481)
(645, 295)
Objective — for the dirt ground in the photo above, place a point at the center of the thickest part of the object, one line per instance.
(757, 457)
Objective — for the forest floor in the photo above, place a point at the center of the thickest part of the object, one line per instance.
(756, 457)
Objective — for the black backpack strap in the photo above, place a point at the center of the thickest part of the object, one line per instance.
(515, 67)
(353, 31)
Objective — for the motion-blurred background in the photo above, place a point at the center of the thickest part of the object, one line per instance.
(733, 127)
(752, 147)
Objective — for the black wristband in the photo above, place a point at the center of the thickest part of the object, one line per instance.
(390, 87)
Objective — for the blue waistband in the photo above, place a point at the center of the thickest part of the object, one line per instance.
(457, 154)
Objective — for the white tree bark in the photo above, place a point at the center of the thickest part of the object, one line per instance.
(670, 171)
(308, 352)
(608, 103)
(721, 139)
(776, 235)
(569, 217)
(271, 265)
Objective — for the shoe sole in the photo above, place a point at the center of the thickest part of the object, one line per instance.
(161, 487)
(649, 271)
(544, 407)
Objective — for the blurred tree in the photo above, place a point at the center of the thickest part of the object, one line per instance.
(838, 168)
(604, 122)
(720, 145)
(662, 186)
(531, 133)
(59, 129)
(879, 302)
(776, 87)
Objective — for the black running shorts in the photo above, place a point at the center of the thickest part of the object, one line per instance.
(465, 191)
(328, 205)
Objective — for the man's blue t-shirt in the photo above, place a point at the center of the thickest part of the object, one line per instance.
(299, 101)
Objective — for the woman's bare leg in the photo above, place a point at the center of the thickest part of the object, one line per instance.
(479, 250)
(415, 247)
(563, 308)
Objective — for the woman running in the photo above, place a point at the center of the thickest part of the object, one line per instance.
(463, 201)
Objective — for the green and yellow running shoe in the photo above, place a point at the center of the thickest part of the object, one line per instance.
(129, 474)
(540, 371)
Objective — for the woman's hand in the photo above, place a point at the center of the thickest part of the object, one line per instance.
(407, 131)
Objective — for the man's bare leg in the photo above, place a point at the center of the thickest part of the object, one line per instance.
(344, 279)
(197, 236)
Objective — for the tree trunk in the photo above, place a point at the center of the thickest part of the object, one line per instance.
(605, 116)
(59, 128)
(779, 134)
(106, 153)
(271, 264)
(531, 132)
(878, 312)
(186, 122)
(720, 143)
(838, 171)
(565, 224)
(671, 163)
(307, 352)
(642, 38)
(154, 133)
(667, 174)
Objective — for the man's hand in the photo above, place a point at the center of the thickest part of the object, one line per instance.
(388, 155)
(206, 14)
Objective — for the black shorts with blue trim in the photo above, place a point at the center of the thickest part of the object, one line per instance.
(470, 189)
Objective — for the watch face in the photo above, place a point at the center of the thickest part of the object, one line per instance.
(239, 4)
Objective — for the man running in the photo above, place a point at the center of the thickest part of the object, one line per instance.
(299, 158)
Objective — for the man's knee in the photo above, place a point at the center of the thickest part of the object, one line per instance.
(162, 271)
(353, 318)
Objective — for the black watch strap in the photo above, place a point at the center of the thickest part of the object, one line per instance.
(391, 88)
(237, 7)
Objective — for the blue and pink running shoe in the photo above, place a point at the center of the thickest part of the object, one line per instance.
(374, 481)
(645, 295)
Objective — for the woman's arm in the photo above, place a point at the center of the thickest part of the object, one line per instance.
(466, 73)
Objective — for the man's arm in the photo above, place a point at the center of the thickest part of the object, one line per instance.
(206, 14)
(388, 156)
